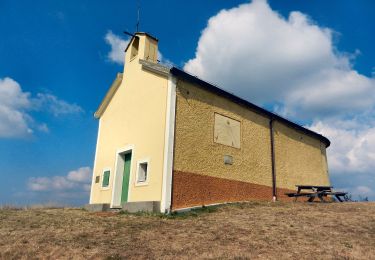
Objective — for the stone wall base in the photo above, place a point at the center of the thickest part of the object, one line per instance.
(142, 206)
(191, 190)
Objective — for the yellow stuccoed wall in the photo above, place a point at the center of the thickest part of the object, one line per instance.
(300, 159)
(135, 116)
(195, 149)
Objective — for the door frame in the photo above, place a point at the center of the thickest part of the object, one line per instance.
(119, 174)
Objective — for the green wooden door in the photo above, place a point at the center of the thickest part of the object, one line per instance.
(125, 178)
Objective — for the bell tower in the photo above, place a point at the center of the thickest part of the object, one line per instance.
(142, 46)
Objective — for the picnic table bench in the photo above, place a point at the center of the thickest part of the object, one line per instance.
(314, 191)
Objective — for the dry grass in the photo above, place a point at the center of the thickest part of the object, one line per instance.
(251, 230)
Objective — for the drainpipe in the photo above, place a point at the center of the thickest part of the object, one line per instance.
(273, 161)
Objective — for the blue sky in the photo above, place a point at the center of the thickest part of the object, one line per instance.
(312, 61)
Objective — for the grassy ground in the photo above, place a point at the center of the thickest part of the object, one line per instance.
(251, 230)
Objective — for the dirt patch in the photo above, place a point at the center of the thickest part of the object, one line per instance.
(248, 230)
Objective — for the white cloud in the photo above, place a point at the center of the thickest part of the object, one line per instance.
(13, 102)
(351, 157)
(353, 145)
(70, 189)
(55, 105)
(256, 53)
(164, 60)
(364, 190)
(11, 94)
(50, 183)
(16, 106)
(76, 180)
(118, 45)
(43, 128)
(82, 174)
(361, 193)
(293, 64)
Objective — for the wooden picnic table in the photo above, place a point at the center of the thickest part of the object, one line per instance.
(315, 191)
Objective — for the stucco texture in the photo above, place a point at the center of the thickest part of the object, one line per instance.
(134, 117)
(195, 149)
(298, 160)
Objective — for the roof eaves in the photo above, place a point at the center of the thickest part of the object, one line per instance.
(108, 96)
(127, 47)
(139, 33)
(147, 34)
(180, 73)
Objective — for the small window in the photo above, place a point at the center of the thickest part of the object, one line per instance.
(97, 179)
(142, 172)
(105, 182)
(135, 46)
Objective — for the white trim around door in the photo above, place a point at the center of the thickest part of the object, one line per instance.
(118, 175)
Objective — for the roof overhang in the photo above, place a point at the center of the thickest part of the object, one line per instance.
(166, 70)
(108, 96)
(136, 35)
(193, 79)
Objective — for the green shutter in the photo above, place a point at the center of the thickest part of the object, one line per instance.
(106, 179)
